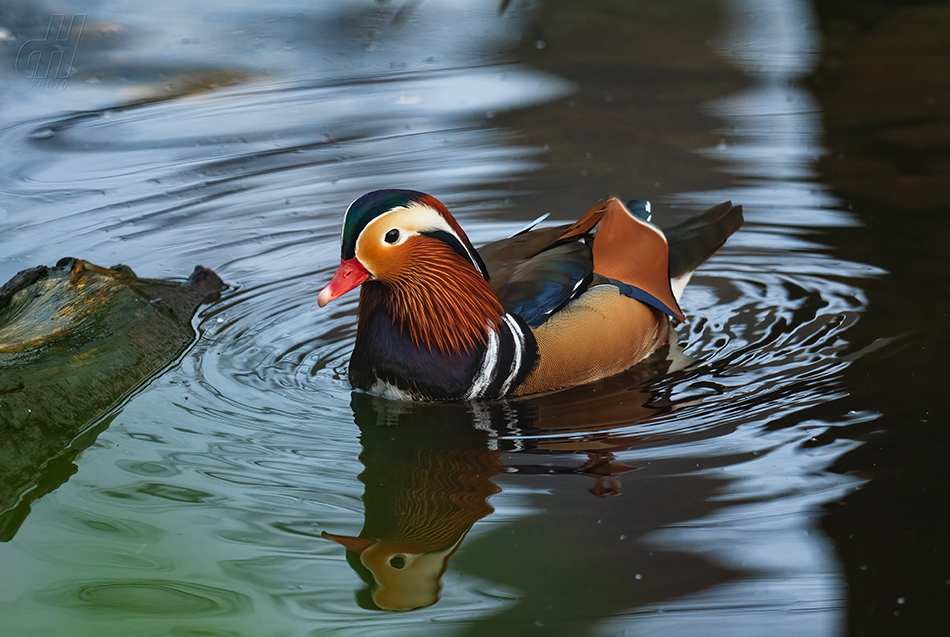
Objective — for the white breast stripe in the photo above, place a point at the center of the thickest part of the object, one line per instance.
(487, 371)
(519, 348)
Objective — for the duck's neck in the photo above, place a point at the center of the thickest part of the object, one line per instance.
(439, 334)
(441, 304)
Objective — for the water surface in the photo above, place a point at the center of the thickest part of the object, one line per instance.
(723, 489)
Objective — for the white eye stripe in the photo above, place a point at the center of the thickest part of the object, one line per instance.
(410, 221)
(438, 222)
(426, 219)
(414, 218)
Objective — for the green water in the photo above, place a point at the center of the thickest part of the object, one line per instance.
(783, 476)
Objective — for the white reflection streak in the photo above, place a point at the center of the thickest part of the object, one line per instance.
(772, 136)
(773, 129)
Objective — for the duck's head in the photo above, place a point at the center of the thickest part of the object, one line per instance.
(419, 267)
(387, 234)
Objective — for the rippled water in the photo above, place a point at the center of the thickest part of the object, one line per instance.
(686, 495)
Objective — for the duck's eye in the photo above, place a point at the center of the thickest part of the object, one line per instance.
(397, 561)
(392, 236)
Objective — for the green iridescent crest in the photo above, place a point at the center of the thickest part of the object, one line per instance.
(367, 208)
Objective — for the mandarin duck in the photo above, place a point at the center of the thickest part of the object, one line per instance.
(545, 309)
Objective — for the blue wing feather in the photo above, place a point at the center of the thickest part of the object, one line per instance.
(545, 283)
(535, 276)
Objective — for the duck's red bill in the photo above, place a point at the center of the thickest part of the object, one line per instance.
(351, 274)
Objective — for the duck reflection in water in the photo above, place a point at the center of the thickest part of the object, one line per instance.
(426, 481)
(429, 468)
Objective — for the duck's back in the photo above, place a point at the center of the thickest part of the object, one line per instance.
(597, 293)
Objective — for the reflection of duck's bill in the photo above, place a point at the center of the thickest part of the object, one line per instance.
(350, 543)
(403, 581)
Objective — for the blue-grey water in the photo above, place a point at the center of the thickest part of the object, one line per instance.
(782, 475)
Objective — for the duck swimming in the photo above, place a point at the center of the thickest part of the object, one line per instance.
(545, 309)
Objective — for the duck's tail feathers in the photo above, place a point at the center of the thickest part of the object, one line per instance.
(695, 240)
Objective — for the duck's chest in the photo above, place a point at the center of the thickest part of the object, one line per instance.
(386, 361)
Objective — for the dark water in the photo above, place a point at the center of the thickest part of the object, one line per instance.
(784, 473)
